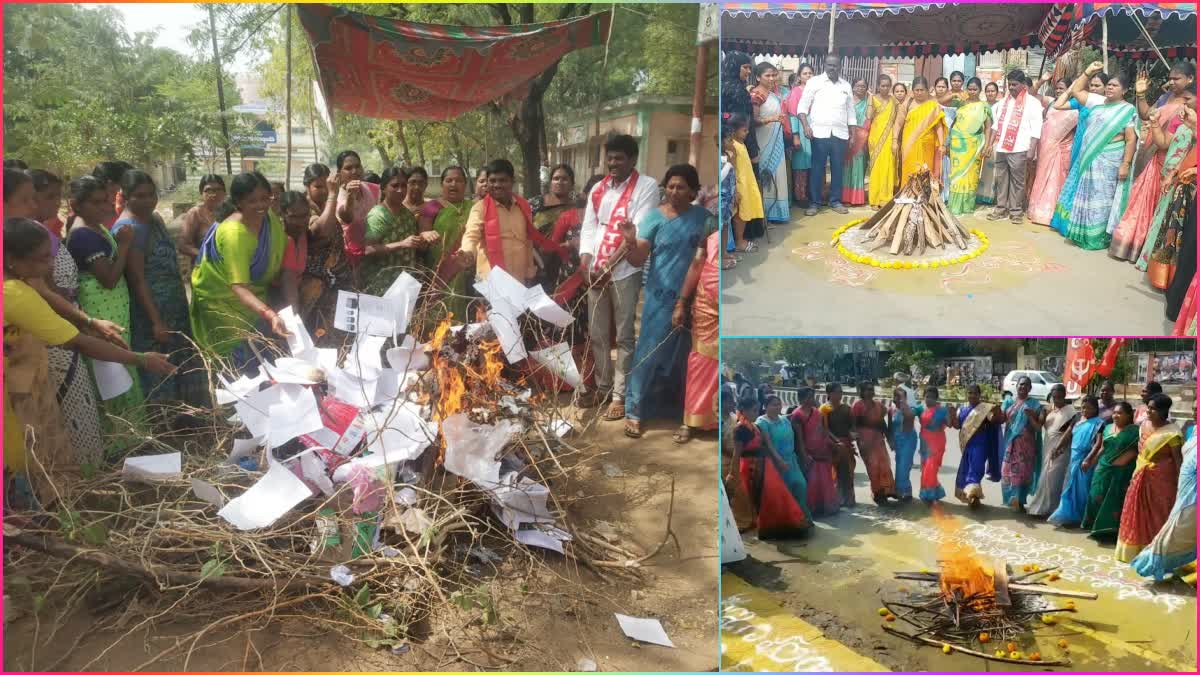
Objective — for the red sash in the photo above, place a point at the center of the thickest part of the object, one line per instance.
(1009, 131)
(611, 239)
(491, 232)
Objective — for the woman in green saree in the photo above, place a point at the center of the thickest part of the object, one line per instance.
(392, 240)
(446, 217)
(1114, 462)
(1177, 149)
(104, 294)
(971, 133)
(240, 258)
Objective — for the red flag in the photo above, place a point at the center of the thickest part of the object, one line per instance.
(1078, 369)
(1110, 357)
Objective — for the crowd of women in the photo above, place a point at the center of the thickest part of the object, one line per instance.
(101, 295)
(1122, 475)
(1103, 172)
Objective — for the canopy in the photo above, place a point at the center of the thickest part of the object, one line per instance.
(879, 29)
(1172, 25)
(377, 67)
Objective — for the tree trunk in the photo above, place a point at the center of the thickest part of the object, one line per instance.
(403, 142)
(527, 128)
(383, 155)
(420, 147)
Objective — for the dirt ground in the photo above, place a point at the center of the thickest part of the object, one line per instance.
(550, 617)
(834, 579)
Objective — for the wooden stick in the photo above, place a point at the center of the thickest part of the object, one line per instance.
(878, 215)
(1046, 590)
(972, 652)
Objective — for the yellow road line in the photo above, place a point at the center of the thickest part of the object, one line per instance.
(1066, 622)
(759, 635)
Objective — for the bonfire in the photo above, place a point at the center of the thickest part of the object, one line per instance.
(973, 605)
(914, 220)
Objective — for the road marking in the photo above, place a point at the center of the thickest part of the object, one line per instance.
(1065, 622)
(759, 635)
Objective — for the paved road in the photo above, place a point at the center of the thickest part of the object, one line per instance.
(1030, 282)
(832, 581)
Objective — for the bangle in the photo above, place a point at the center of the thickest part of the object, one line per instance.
(89, 321)
(140, 358)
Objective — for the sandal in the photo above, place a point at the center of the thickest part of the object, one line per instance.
(750, 248)
(728, 263)
(633, 428)
(616, 411)
(683, 434)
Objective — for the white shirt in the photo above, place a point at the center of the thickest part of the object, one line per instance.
(1031, 123)
(829, 107)
(644, 198)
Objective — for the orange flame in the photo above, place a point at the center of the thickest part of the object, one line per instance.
(492, 364)
(963, 571)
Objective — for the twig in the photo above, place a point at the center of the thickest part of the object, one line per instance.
(972, 652)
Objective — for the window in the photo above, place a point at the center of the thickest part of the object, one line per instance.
(677, 152)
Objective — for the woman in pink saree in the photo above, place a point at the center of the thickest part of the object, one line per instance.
(703, 279)
(1130, 233)
(1054, 156)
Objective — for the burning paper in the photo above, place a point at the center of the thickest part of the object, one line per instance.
(507, 298)
(559, 360)
(471, 449)
(153, 468)
(276, 493)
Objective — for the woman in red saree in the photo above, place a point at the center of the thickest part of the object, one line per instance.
(816, 452)
(703, 279)
(1054, 155)
(1151, 493)
(869, 429)
(777, 514)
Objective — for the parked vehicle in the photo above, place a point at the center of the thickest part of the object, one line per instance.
(1042, 380)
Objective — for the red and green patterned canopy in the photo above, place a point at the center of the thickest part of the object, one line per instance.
(1172, 26)
(377, 67)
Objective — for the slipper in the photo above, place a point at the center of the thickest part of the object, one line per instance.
(728, 264)
(633, 428)
(750, 248)
(682, 435)
(616, 411)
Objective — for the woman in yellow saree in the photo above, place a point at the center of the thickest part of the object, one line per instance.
(923, 134)
(971, 133)
(881, 182)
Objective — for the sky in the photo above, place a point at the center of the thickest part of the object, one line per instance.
(170, 22)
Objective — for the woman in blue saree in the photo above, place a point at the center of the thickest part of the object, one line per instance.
(903, 436)
(778, 432)
(1096, 192)
(1022, 446)
(769, 120)
(978, 425)
(674, 234)
(1084, 439)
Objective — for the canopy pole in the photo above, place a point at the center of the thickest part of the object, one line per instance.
(212, 25)
(1104, 40)
(832, 22)
(287, 170)
(698, 103)
(612, 24)
(1149, 39)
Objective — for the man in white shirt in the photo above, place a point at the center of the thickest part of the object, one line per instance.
(826, 111)
(1016, 128)
(613, 284)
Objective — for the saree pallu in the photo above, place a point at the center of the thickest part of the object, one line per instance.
(703, 365)
(773, 170)
(1138, 229)
(904, 444)
(1022, 454)
(750, 202)
(777, 514)
(1092, 196)
(739, 500)
(881, 183)
(1175, 544)
(951, 113)
(801, 158)
(1053, 164)
(854, 183)
(823, 497)
(1151, 493)
(918, 140)
(1074, 499)
(1181, 293)
(872, 446)
(966, 155)
(981, 452)
(840, 421)
(933, 443)
(1054, 469)
(1109, 484)
(1170, 204)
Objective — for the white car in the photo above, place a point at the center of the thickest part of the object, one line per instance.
(1042, 381)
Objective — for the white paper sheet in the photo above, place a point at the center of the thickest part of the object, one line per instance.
(472, 329)
(410, 356)
(327, 358)
(404, 292)
(239, 388)
(544, 307)
(507, 298)
(300, 342)
(243, 447)
(560, 428)
(559, 360)
(291, 371)
(385, 464)
(296, 414)
(208, 492)
(351, 389)
(508, 332)
(400, 432)
(324, 437)
(364, 360)
(254, 410)
(276, 493)
(521, 501)
(370, 314)
(471, 448)
(387, 387)
(315, 472)
(112, 379)
(551, 538)
(644, 630)
(151, 468)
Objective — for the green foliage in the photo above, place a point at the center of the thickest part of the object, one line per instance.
(74, 529)
(476, 599)
(903, 361)
(80, 89)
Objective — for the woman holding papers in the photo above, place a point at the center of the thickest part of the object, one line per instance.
(30, 403)
(674, 234)
(239, 259)
(392, 239)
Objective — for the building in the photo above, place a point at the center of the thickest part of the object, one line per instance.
(265, 147)
(661, 125)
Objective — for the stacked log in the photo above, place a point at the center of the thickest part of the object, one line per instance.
(915, 220)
